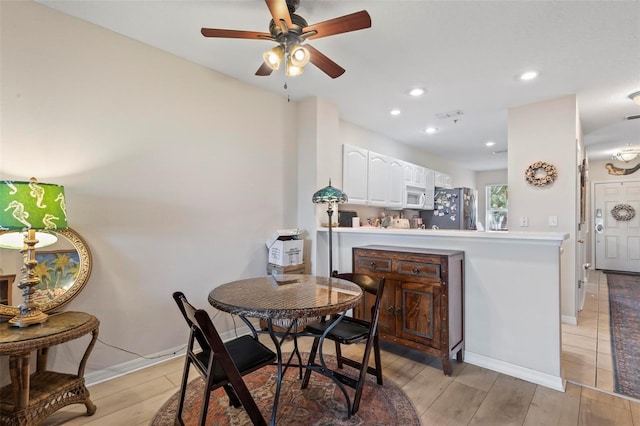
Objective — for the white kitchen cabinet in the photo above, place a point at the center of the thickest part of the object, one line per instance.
(373, 179)
(377, 187)
(386, 181)
(442, 180)
(395, 183)
(414, 175)
(355, 164)
(430, 190)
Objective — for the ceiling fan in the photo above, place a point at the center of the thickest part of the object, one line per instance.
(290, 32)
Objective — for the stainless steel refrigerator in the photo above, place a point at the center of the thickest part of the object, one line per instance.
(452, 209)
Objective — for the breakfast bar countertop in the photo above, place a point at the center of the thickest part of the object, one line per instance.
(494, 235)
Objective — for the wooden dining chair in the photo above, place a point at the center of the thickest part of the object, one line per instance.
(353, 330)
(220, 364)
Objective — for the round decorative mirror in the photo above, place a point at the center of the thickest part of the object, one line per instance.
(64, 269)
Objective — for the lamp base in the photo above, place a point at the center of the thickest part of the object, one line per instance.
(25, 319)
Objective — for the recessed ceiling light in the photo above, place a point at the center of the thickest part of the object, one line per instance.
(418, 91)
(394, 112)
(529, 75)
(430, 130)
(490, 143)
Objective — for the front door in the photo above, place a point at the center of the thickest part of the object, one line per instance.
(617, 241)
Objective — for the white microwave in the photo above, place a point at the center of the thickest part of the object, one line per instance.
(414, 198)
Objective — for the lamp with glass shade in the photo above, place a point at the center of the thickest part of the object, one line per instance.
(330, 196)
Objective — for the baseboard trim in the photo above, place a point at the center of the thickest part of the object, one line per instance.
(115, 371)
(533, 376)
(566, 319)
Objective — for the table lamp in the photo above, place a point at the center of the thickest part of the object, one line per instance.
(329, 195)
(30, 206)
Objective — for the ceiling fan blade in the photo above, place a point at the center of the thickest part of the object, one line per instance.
(279, 12)
(318, 59)
(343, 24)
(264, 70)
(214, 32)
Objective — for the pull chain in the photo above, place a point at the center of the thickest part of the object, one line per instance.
(287, 89)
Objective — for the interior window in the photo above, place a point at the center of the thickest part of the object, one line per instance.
(497, 207)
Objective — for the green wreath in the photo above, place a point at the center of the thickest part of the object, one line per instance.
(623, 212)
(541, 173)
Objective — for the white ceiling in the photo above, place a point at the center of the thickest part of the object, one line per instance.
(466, 54)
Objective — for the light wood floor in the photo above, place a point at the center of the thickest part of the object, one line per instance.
(586, 347)
(471, 396)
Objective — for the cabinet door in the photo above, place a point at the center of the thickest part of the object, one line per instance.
(377, 187)
(395, 183)
(448, 183)
(354, 173)
(417, 313)
(430, 191)
(386, 322)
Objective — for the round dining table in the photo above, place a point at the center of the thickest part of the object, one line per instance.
(291, 297)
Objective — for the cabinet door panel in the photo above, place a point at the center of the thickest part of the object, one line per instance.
(354, 173)
(418, 318)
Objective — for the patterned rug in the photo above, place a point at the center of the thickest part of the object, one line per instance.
(322, 403)
(624, 305)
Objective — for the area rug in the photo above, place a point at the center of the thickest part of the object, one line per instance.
(624, 306)
(322, 403)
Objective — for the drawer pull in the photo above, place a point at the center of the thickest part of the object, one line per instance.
(415, 271)
(390, 310)
(373, 265)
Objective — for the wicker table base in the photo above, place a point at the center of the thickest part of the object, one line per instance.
(30, 398)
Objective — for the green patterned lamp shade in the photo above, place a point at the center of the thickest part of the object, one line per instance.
(32, 205)
(329, 194)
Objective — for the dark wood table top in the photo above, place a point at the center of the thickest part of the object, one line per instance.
(286, 296)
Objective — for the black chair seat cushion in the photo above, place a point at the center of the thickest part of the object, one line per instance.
(246, 352)
(347, 331)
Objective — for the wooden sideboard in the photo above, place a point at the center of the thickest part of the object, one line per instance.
(423, 304)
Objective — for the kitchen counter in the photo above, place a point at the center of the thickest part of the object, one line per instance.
(511, 296)
(448, 233)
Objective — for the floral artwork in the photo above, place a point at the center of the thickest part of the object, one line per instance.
(57, 271)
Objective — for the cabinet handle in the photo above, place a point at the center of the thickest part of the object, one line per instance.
(415, 271)
(390, 310)
(373, 265)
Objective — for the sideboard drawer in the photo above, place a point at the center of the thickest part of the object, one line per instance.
(419, 269)
(373, 264)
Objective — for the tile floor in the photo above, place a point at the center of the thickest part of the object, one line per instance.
(586, 347)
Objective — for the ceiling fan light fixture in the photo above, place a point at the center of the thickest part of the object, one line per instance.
(635, 97)
(293, 70)
(273, 57)
(299, 56)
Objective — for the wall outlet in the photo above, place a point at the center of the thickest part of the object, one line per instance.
(553, 220)
(524, 221)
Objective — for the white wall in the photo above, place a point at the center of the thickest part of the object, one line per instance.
(546, 131)
(169, 175)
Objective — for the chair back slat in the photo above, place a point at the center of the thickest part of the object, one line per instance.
(216, 364)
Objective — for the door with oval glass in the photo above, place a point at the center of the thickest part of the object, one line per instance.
(617, 226)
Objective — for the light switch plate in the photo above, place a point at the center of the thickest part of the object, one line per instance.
(553, 220)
